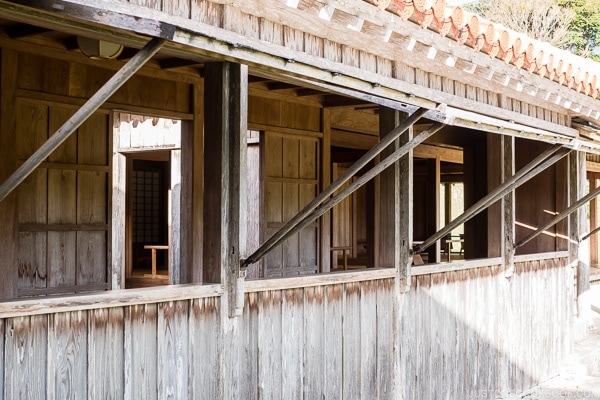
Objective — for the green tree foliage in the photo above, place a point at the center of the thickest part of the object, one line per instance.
(584, 29)
(573, 25)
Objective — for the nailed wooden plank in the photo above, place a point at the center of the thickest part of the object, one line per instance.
(67, 348)
(386, 332)
(140, 351)
(292, 343)
(351, 334)
(423, 315)
(25, 350)
(173, 354)
(447, 340)
(333, 341)
(436, 313)
(408, 342)
(368, 340)
(250, 340)
(204, 350)
(314, 349)
(105, 353)
(270, 335)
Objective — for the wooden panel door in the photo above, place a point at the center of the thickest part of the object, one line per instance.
(291, 180)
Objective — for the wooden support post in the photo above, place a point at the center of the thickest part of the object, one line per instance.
(325, 181)
(593, 243)
(81, 115)
(578, 252)
(387, 246)
(433, 208)
(175, 220)
(225, 194)
(508, 206)
(8, 214)
(226, 92)
(405, 212)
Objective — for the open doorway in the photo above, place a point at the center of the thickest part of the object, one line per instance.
(146, 198)
(149, 198)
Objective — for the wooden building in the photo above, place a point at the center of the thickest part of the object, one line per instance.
(327, 199)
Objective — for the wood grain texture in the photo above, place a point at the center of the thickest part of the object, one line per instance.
(140, 351)
(173, 352)
(105, 353)
(26, 352)
(204, 364)
(67, 355)
(325, 341)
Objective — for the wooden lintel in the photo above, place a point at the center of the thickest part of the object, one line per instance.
(257, 79)
(333, 101)
(24, 30)
(309, 92)
(443, 153)
(281, 86)
(171, 63)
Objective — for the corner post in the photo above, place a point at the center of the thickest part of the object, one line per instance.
(226, 102)
(508, 207)
(578, 250)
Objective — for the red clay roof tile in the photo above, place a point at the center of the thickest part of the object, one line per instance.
(500, 42)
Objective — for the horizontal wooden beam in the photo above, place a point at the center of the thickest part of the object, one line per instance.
(108, 299)
(443, 153)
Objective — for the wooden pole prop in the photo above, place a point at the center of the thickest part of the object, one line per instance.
(81, 115)
(536, 166)
(282, 233)
(322, 209)
(590, 234)
(560, 216)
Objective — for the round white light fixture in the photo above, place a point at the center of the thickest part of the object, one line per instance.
(97, 49)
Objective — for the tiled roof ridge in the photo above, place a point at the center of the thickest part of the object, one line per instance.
(574, 72)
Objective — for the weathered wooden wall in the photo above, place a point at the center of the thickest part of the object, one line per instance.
(459, 334)
(62, 225)
(152, 351)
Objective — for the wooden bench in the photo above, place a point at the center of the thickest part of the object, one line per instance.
(154, 248)
(344, 250)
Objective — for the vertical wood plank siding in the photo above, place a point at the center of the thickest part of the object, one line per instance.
(462, 334)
